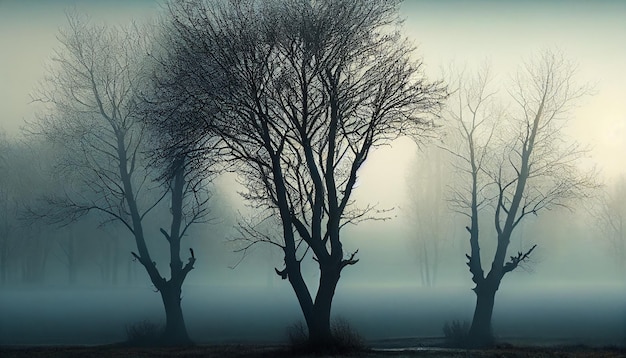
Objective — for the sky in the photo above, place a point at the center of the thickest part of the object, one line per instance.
(466, 33)
(28, 31)
(505, 33)
(445, 32)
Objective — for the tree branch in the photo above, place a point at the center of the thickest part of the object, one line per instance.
(351, 260)
(516, 260)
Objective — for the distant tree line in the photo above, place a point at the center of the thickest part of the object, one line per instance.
(34, 252)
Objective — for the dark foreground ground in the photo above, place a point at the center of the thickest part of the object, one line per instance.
(250, 351)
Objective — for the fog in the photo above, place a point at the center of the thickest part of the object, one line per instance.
(78, 283)
(572, 292)
(538, 315)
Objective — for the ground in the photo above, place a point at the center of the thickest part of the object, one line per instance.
(251, 351)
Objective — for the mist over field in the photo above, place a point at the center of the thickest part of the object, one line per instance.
(592, 315)
(573, 297)
(485, 162)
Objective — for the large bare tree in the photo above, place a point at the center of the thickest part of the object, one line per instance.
(94, 113)
(299, 93)
(515, 163)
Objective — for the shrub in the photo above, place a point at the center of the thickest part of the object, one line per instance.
(346, 338)
(297, 335)
(456, 333)
(143, 333)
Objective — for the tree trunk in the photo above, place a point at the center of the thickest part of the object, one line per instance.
(320, 335)
(116, 259)
(316, 314)
(481, 334)
(175, 332)
(105, 263)
(71, 259)
(129, 276)
(3, 260)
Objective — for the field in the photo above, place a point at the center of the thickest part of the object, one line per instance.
(226, 323)
(252, 351)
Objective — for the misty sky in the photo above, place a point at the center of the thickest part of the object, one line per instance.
(466, 33)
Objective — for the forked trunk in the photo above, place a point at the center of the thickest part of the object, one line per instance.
(320, 335)
(317, 313)
(481, 334)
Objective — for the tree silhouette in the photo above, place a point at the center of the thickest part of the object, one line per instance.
(298, 93)
(94, 113)
(516, 163)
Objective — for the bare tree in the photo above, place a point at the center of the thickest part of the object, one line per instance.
(95, 114)
(108, 245)
(5, 224)
(8, 208)
(428, 213)
(299, 93)
(610, 219)
(515, 163)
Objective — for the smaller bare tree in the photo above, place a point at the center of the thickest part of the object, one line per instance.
(515, 163)
(95, 115)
